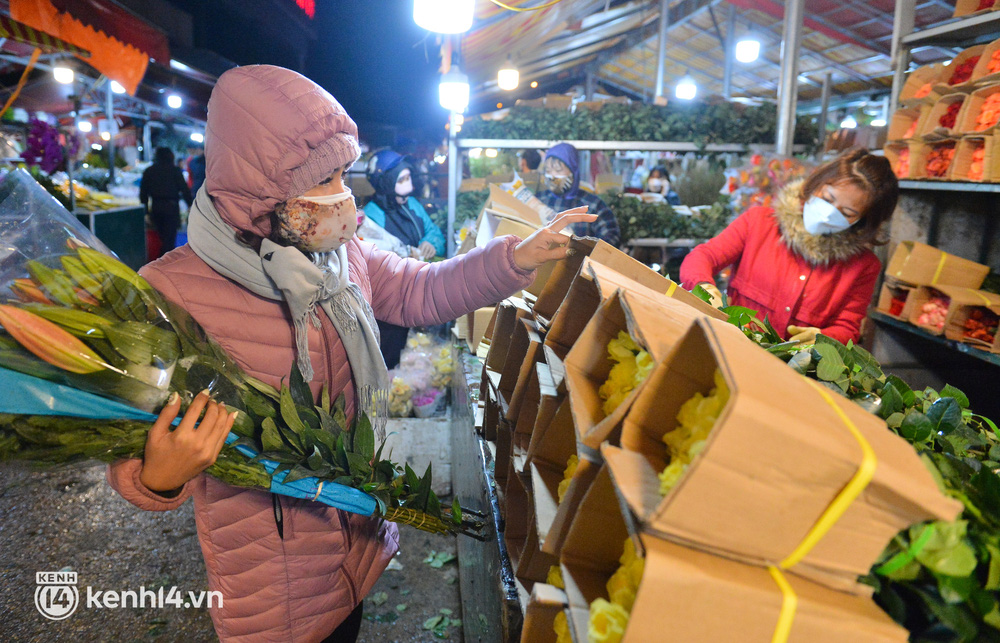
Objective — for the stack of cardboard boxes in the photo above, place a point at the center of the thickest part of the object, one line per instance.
(917, 274)
(758, 524)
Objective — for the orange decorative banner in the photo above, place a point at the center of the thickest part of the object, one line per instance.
(108, 55)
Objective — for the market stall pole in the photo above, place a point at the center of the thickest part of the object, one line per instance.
(661, 59)
(788, 87)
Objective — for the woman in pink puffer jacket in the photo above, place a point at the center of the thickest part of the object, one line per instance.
(289, 569)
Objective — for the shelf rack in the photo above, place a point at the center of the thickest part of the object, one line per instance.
(960, 347)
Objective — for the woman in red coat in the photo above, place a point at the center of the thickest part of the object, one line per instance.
(806, 263)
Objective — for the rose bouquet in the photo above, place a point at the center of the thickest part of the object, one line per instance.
(89, 351)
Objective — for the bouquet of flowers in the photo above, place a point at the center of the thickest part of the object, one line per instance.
(420, 382)
(89, 351)
(760, 181)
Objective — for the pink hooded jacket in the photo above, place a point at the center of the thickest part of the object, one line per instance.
(266, 126)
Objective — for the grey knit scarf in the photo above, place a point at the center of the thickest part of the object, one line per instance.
(286, 274)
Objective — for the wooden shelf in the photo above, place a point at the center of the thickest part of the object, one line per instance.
(949, 186)
(959, 347)
(959, 32)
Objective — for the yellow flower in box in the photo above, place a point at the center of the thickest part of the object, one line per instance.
(571, 466)
(621, 590)
(554, 577)
(561, 626)
(695, 419)
(628, 553)
(607, 622)
(632, 366)
(671, 475)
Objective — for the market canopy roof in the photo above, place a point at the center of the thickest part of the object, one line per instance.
(617, 43)
(11, 29)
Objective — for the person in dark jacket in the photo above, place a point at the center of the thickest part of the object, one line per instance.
(163, 184)
(562, 178)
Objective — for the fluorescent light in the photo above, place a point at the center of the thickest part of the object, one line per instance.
(96, 146)
(878, 122)
(63, 74)
(197, 137)
(747, 50)
(106, 136)
(174, 101)
(491, 153)
(475, 152)
(686, 89)
(176, 64)
(508, 76)
(116, 87)
(849, 123)
(444, 16)
(453, 91)
(85, 126)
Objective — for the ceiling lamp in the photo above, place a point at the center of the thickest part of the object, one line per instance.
(116, 87)
(878, 122)
(849, 123)
(686, 89)
(85, 126)
(63, 74)
(174, 101)
(197, 137)
(453, 91)
(508, 76)
(444, 16)
(491, 152)
(747, 49)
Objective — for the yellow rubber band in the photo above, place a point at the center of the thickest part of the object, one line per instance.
(847, 495)
(319, 490)
(525, 9)
(789, 603)
(940, 267)
(985, 299)
(672, 289)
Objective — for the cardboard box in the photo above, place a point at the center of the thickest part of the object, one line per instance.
(904, 118)
(539, 387)
(492, 411)
(771, 466)
(564, 272)
(540, 613)
(472, 185)
(917, 79)
(519, 366)
(476, 324)
(920, 155)
(899, 290)
(966, 8)
(944, 85)
(655, 325)
(509, 311)
(558, 101)
(915, 152)
(955, 327)
(682, 588)
(517, 516)
(958, 297)
(973, 106)
(921, 264)
(982, 75)
(930, 128)
(960, 167)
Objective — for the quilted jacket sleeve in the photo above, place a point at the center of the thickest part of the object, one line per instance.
(407, 292)
(707, 259)
(123, 476)
(847, 326)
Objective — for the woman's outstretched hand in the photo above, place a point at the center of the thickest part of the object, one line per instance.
(549, 243)
(175, 456)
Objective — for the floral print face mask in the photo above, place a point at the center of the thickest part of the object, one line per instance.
(318, 223)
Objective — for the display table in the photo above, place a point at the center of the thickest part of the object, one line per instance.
(490, 605)
(123, 230)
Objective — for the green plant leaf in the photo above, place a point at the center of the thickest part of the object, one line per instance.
(270, 438)
(298, 472)
(892, 401)
(289, 411)
(945, 415)
(958, 395)
(948, 551)
(916, 427)
(432, 622)
(364, 437)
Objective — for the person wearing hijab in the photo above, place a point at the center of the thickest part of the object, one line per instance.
(395, 209)
(562, 178)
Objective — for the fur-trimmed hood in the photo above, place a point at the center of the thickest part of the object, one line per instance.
(817, 249)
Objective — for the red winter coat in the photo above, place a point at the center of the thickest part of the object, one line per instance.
(787, 274)
(300, 585)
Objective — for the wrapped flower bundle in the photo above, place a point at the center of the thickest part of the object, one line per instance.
(90, 351)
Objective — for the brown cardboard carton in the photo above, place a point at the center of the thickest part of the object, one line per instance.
(539, 381)
(944, 85)
(898, 290)
(656, 325)
(893, 152)
(917, 79)
(492, 412)
(966, 8)
(508, 312)
(973, 106)
(903, 121)
(771, 466)
(533, 567)
(982, 75)
(924, 265)
(520, 367)
(476, 324)
(964, 151)
(517, 512)
(698, 583)
(957, 299)
(539, 615)
(920, 156)
(931, 129)
(503, 454)
(955, 326)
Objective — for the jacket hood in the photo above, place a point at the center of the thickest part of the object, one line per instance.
(272, 134)
(568, 155)
(817, 249)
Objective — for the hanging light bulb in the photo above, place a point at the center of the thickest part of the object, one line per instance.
(878, 122)
(197, 137)
(116, 87)
(63, 74)
(849, 123)
(508, 76)
(85, 126)
(453, 91)
(105, 136)
(491, 153)
(686, 88)
(747, 49)
(444, 16)
(174, 101)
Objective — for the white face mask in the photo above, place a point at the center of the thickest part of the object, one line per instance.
(558, 183)
(405, 188)
(821, 217)
(655, 185)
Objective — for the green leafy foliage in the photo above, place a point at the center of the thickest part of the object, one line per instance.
(638, 220)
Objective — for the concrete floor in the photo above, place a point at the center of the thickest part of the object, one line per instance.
(71, 518)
